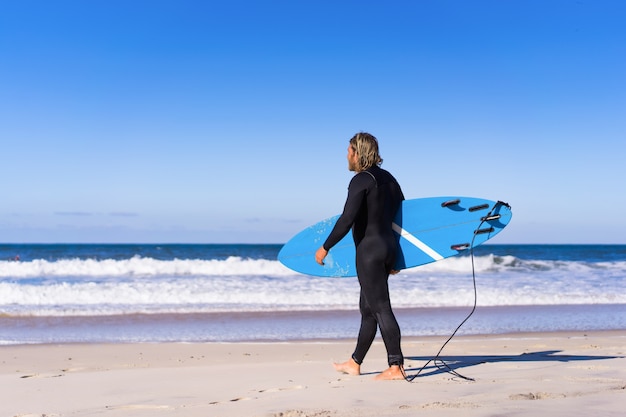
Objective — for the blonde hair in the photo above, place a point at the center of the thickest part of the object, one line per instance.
(366, 147)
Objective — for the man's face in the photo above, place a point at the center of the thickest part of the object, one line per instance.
(352, 159)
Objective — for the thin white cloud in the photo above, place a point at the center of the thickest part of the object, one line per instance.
(123, 214)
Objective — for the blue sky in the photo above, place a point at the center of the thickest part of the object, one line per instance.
(211, 122)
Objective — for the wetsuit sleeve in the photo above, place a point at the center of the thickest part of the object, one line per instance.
(356, 194)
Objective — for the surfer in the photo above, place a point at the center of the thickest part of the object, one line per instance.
(374, 197)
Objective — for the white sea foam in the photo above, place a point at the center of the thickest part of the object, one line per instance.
(237, 266)
(146, 285)
(138, 266)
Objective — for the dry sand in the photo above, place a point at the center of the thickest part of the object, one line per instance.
(541, 374)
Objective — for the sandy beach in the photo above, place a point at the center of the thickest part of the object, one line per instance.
(573, 374)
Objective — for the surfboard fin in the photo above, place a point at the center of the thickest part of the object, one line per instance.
(490, 218)
(450, 203)
(480, 207)
(460, 247)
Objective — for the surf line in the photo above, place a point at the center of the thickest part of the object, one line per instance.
(418, 243)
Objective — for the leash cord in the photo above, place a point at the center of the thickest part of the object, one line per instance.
(437, 360)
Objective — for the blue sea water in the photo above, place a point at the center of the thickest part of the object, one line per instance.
(176, 292)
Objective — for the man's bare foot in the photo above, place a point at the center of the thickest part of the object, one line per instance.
(394, 372)
(349, 367)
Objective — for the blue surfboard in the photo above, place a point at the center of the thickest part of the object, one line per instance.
(428, 230)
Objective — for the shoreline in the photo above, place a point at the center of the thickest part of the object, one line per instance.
(303, 325)
(525, 374)
(526, 335)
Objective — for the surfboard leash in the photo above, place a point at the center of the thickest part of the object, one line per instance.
(437, 360)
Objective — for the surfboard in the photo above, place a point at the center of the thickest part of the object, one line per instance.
(427, 229)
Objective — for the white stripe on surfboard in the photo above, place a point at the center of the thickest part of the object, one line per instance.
(418, 243)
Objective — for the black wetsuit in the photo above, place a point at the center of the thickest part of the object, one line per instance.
(374, 197)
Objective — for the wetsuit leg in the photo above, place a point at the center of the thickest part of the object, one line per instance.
(367, 332)
(373, 272)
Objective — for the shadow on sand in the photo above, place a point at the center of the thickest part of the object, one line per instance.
(451, 364)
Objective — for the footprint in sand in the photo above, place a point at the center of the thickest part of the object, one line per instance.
(536, 396)
(295, 387)
(41, 376)
(439, 404)
(37, 415)
(261, 391)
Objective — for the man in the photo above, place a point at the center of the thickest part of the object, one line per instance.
(374, 197)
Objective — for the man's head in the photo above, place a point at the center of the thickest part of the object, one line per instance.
(363, 152)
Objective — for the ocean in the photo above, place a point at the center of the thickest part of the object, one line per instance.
(84, 293)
